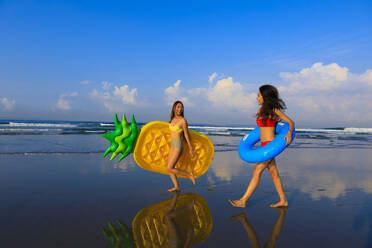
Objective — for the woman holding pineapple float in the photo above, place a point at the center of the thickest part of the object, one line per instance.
(158, 147)
(178, 129)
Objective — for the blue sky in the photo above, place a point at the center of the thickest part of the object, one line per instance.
(85, 60)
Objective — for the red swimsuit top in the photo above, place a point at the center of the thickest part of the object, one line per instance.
(269, 122)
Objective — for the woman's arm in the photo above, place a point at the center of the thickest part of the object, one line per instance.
(291, 123)
(186, 132)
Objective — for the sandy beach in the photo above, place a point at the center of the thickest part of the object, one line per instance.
(64, 200)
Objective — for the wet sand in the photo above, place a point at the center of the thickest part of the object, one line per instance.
(65, 201)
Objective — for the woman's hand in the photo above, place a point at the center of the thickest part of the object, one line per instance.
(288, 136)
(186, 133)
(285, 118)
(192, 154)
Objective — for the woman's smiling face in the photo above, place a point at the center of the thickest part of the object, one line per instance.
(178, 110)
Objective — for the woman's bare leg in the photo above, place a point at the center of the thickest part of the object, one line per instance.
(253, 184)
(172, 160)
(278, 185)
(174, 154)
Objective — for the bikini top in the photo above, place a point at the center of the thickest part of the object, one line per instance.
(175, 128)
(269, 122)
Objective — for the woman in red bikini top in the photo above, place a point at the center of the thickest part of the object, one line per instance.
(268, 122)
(267, 116)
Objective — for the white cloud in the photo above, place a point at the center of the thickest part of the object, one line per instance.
(85, 82)
(126, 95)
(318, 77)
(309, 104)
(175, 92)
(8, 104)
(94, 93)
(64, 101)
(100, 95)
(366, 77)
(227, 93)
(329, 93)
(115, 99)
(111, 107)
(106, 85)
(212, 77)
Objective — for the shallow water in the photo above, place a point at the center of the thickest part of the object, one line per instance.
(64, 200)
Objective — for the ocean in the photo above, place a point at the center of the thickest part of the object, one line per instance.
(34, 137)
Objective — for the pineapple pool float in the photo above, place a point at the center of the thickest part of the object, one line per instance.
(151, 144)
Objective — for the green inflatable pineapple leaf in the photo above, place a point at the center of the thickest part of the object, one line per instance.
(123, 139)
(119, 139)
(130, 142)
(112, 135)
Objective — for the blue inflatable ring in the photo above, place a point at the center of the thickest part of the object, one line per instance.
(269, 151)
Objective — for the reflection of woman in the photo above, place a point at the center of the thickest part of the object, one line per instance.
(267, 116)
(178, 235)
(183, 220)
(277, 228)
(178, 126)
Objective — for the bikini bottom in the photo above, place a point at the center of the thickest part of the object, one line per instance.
(264, 143)
(176, 143)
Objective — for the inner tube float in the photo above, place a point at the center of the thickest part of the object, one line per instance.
(269, 151)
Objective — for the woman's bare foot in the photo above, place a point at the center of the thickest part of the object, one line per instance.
(192, 178)
(279, 204)
(237, 203)
(174, 189)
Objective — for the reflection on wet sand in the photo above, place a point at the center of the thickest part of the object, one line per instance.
(182, 221)
(119, 237)
(184, 218)
(251, 233)
(176, 236)
(331, 173)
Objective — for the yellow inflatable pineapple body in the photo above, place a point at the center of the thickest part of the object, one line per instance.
(153, 144)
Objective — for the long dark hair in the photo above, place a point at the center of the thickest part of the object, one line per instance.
(173, 108)
(271, 101)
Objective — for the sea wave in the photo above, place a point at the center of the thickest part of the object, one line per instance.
(335, 130)
(28, 130)
(358, 130)
(28, 127)
(106, 124)
(25, 124)
(220, 128)
(94, 131)
(47, 153)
